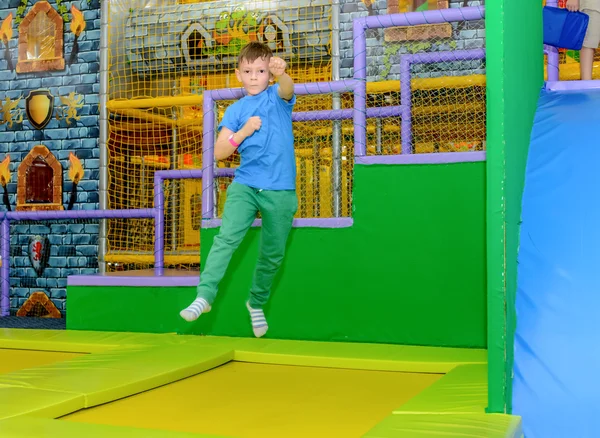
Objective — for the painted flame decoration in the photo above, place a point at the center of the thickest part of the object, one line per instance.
(4, 171)
(75, 169)
(6, 31)
(77, 23)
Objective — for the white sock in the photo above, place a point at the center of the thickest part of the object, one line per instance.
(259, 322)
(194, 310)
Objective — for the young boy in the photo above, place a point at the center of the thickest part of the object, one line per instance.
(592, 36)
(260, 126)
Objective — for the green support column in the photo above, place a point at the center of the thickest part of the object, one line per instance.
(514, 78)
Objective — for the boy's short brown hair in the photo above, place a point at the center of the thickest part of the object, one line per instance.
(254, 50)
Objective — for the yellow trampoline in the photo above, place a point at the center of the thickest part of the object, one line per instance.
(95, 384)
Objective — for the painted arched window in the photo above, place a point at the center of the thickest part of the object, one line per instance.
(41, 40)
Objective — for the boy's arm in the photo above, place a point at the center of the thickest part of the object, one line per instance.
(223, 147)
(286, 87)
(228, 141)
(286, 83)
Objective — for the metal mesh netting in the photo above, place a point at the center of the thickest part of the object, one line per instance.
(142, 141)
(166, 48)
(165, 54)
(442, 73)
(323, 186)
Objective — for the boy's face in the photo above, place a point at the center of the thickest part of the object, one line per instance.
(254, 76)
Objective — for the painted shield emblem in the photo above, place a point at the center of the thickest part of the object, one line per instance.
(39, 253)
(39, 106)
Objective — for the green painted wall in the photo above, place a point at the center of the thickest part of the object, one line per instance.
(410, 271)
(514, 78)
(127, 309)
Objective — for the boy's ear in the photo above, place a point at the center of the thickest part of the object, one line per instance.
(237, 75)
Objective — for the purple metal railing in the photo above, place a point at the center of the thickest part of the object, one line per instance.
(208, 138)
(16, 216)
(159, 205)
(406, 91)
(552, 53)
(360, 54)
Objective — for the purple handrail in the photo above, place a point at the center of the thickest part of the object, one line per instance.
(406, 91)
(5, 270)
(208, 137)
(552, 52)
(159, 206)
(15, 216)
(360, 54)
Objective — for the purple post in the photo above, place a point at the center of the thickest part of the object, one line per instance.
(405, 86)
(360, 89)
(159, 225)
(208, 152)
(553, 63)
(159, 207)
(5, 270)
(552, 52)
(406, 102)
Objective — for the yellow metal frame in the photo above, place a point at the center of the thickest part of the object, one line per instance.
(372, 88)
(148, 259)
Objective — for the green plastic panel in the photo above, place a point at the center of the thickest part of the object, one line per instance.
(411, 270)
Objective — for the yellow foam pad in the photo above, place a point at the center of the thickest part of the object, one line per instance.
(262, 400)
(15, 401)
(122, 364)
(462, 391)
(13, 360)
(382, 357)
(459, 425)
(81, 341)
(28, 427)
(328, 354)
(106, 376)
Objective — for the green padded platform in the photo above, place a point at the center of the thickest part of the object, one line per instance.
(461, 391)
(15, 401)
(439, 426)
(109, 375)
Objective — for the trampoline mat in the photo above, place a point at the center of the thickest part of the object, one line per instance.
(261, 400)
(14, 359)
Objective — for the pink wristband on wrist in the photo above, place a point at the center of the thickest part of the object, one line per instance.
(232, 141)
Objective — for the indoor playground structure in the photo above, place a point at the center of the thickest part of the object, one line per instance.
(399, 310)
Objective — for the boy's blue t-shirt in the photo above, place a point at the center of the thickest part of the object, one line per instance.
(267, 156)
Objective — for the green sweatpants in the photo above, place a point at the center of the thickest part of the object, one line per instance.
(277, 209)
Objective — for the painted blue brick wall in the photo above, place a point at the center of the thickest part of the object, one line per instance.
(73, 246)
